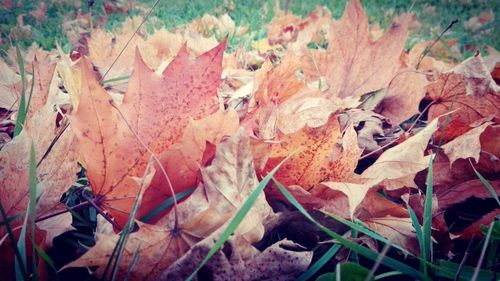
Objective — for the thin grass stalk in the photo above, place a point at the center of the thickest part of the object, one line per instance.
(483, 252)
(320, 263)
(427, 221)
(23, 273)
(390, 262)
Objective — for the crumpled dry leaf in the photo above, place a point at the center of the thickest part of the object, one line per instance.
(403, 160)
(367, 124)
(156, 246)
(226, 194)
(403, 96)
(313, 161)
(466, 145)
(353, 64)
(469, 88)
(280, 261)
(475, 23)
(207, 25)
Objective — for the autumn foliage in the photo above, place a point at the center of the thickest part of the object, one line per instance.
(192, 115)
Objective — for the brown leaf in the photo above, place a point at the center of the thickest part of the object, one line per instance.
(468, 88)
(367, 124)
(313, 162)
(157, 248)
(280, 261)
(403, 160)
(403, 96)
(226, 184)
(466, 145)
(355, 65)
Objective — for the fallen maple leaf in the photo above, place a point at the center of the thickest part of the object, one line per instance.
(156, 246)
(313, 162)
(353, 64)
(157, 108)
(469, 88)
(227, 183)
(182, 161)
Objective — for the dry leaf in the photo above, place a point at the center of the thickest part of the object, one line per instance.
(466, 145)
(277, 262)
(157, 248)
(469, 88)
(368, 125)
(112, 154)
(403, 160)
(312, 162)
(403, 96)
(354, 64)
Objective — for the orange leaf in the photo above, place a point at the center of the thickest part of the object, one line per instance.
(354, 64)
(158, 108)
(314, 161)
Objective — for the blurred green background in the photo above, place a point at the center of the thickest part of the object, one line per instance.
(25, 22)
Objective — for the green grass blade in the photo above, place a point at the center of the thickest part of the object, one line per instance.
(387, 274)
(427, 222)
(165, 205)
(21, 113)
(418, 231)
(32, 87)
(447, 269)
(117, 79)
(47, 259)
(319, 263)
(486, 184)
(388, 261)
(238, 218)
(365, 230)
(20, 265)
(32, 207)
(483, 252)
(124, 234)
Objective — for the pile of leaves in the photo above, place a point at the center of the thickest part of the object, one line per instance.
(326, 133)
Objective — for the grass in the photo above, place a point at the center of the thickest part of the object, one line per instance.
(255, 14)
